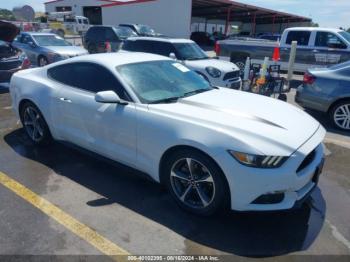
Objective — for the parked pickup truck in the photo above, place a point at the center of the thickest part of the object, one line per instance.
(317, 47)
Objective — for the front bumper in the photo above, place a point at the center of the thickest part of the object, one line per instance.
(249, 184)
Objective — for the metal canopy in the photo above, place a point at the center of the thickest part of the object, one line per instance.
(233, 11)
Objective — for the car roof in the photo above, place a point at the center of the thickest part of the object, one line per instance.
(325, 29)
(161, 39)
(36, 33)
(112, 60)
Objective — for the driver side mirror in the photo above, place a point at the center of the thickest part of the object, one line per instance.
(109, 97)
(173, 56)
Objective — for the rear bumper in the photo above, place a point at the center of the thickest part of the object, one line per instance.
(306, 98)
(5, 75)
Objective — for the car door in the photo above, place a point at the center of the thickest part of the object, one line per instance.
(332, 49)
(25, 42)
(107, 129)
(302, 58)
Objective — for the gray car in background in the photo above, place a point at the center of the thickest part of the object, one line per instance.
(46, 48)
(328, 91)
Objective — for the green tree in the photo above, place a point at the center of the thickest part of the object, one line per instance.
(6, 15)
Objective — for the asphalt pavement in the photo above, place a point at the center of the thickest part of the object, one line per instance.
(60, 201)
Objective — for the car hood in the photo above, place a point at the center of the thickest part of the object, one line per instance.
(223, 66)
(67, 50)
(264, 125)
(8, 31)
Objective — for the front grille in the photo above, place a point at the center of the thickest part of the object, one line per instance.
(307, 161)
(8, 65)
(231, 75)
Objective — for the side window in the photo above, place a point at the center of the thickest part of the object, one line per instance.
(325, 39)
(94, 34)
(26, 39)
(110, 35)
(89, 77)
(302, 37)
(163, 49)
(100, 34)
(135, 46)
(63, 74)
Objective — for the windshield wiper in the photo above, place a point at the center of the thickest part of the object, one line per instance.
(166, 100)
(176, 98)
(196, 58)
(195, 92)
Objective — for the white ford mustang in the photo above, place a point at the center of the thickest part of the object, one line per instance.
(212, 147)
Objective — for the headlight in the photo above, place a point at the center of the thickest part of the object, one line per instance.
(258, 161)
(214, 72)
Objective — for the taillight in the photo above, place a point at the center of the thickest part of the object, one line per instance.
(217, 48)
(26, 63)
(309, 79)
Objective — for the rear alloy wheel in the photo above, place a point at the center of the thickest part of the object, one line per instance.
(196, 182)
(34, 124)
(43, 61)
(341, 115)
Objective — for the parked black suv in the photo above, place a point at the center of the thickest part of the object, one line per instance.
(11, 58)
(98, 39)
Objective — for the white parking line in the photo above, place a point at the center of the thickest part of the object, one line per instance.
(337, 235)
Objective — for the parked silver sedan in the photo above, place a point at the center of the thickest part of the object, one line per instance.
(328, 90)
(46, 48)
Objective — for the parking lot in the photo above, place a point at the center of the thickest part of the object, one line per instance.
(60, 201)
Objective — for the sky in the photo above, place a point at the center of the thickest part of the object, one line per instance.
(328, 13)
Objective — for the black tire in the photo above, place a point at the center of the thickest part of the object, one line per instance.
(219, 200)
(335, 113)
(283, 97)
(41, 139)
(42, 61)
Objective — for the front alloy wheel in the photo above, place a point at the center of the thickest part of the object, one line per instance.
(196, 182)
(192, 183)
(43, 61)
(341, 115)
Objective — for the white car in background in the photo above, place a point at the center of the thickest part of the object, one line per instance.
(217, 72)
(212, 147)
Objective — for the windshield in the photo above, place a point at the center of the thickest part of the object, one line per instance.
(156, 81)
(145, 30)
(124, 32)
(50, 40)
(346, 35)
(190, 51)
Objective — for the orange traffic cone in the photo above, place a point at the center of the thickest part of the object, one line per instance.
(276, 53)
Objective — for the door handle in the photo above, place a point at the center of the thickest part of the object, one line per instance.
(63, 99)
